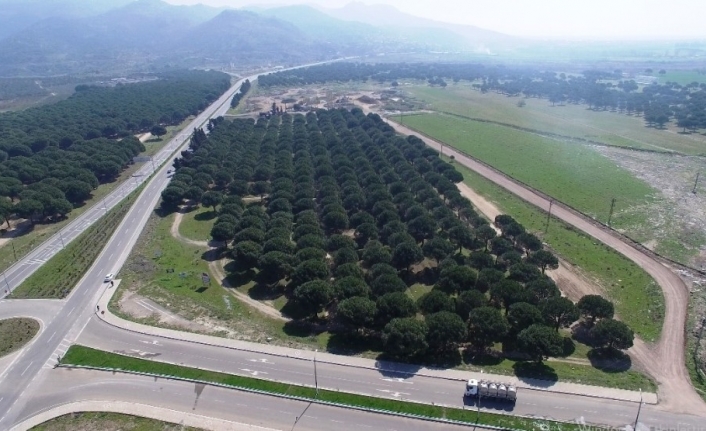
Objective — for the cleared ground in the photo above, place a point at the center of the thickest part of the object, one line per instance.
(15, 333)
(108, 422)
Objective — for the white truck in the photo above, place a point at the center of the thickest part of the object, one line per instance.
(490, 390)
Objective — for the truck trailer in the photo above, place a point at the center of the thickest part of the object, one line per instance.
(490, 390)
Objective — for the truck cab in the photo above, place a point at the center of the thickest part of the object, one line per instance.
(471, 388)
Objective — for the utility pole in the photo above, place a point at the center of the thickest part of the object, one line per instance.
(638, 411)
(153, 168)
(62, 240)
(105, 208)
(549, 214)
(13, 250)
(316, 379)
(612, 206)
(4, 274)
(696, 182)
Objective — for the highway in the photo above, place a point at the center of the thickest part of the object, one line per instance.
(31, 385)
(65, 386)
(59, 333)
(547, 405)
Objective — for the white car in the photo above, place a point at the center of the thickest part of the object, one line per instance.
(108, 278)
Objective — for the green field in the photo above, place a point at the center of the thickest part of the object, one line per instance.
(574, 121)
(89, 421)
(15, 333)
(79, 355)
(169, 272)
(58, 276)
(196, 224)
(638, 299)
(574, 174)
(682, 77)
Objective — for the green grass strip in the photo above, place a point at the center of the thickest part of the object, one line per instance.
(85, 356)
(58, 276)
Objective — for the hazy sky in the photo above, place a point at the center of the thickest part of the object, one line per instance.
(583, 19)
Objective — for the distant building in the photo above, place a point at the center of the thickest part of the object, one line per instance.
(646, 79)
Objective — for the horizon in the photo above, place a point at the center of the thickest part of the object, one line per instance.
(579, 20)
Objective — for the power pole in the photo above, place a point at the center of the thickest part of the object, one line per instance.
(696, 182)
(638, 411)
(549, 215)
(316, 379)
(612, 206)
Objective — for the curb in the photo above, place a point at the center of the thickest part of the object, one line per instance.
(297, 398)
(117, 324)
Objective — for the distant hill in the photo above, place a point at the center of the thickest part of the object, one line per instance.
(17, 15)
(390, 17)
(152, 32)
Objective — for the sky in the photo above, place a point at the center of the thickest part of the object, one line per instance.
(545, 19)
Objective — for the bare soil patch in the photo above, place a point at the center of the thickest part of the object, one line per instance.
(15, 333)
(675, 227)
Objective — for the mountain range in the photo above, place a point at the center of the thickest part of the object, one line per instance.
(54, 37)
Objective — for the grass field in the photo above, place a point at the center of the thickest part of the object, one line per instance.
(148, 272)
(58, 276)
(15, 333)
(682, 77)
(79, 355)
(574, 174)
(196, 225)
(575, 121)
(94, 421)
(638, 299)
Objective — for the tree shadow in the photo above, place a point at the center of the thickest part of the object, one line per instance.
(352, 343)
(568, 347)
(535, 373)
(292, 310)
(206, 215)
(301, 329)
(489, 404)
(482, 358)
(582, 334)
(265, 292)
(609, 360)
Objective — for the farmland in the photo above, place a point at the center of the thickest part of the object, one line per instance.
(573, 174)
(572, 121)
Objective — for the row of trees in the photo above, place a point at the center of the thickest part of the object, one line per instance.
(352, 214)
(53, 157)
(244, 88)
(658, 103)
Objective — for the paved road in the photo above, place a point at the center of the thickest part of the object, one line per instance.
(68, 322)
(64, 386)
(549, 405)
(60, 332)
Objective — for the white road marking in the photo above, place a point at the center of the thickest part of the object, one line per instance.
(252, 372)
(72, 310)
(52, 336)
(399, 380)
(23, 372)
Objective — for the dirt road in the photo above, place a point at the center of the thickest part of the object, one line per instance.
(217, 270)
(665, 360)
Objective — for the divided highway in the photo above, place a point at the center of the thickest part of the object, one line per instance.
(28, 387)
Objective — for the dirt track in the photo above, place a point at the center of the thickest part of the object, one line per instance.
(665, 360)
(217, 270)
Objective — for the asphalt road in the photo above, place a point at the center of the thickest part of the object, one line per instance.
(65, 386)
(29, 374)
(59, 333)
(540, 404)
